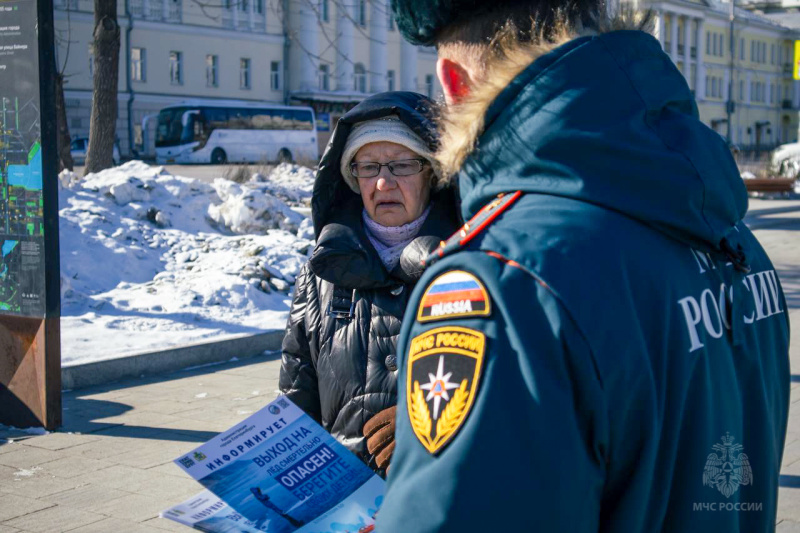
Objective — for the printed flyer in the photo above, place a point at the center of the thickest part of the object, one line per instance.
(278, 471)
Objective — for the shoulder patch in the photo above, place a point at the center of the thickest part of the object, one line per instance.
(444, 369)
(454, 294)
(471, 229)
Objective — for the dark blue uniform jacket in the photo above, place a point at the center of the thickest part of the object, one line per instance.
(634, 373)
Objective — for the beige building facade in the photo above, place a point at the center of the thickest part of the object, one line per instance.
(746, 81)
(326, 54)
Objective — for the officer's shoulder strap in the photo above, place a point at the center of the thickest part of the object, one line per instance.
(471, 229)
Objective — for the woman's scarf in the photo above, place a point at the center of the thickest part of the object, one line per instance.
(389, 241)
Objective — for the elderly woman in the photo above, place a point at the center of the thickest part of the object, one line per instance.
(377, 214)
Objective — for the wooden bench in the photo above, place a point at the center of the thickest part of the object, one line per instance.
(771, 185)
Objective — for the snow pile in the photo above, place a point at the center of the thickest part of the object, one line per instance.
(790, 168)
(151, 260)
(291, 183)
(250, 208)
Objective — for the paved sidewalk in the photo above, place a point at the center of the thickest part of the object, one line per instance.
(777, 225)
(109, 469)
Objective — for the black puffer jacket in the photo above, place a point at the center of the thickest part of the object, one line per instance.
(339, 349)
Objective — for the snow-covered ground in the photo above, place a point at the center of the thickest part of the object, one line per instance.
(151, 260)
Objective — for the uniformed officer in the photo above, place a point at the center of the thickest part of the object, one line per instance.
(604, 345)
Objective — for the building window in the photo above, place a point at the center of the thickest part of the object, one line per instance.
(429, 85)
(324, 11)
(390, 80)
(138, 64)
(324, 78)
(772, 54)
(741, 48)
(138, 137)
(708, 43)
(212, 71)
(241, 5)
(741, 90)
(389, 18)
(244, 73)
(359, 78)
(259, 7)
(176, 68)
(275, 75)
(362, 12)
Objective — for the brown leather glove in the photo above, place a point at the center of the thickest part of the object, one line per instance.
(379, 432)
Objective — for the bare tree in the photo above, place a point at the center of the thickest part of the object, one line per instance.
(63, 139)
(102, 128)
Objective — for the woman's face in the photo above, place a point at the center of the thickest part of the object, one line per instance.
(393, 200)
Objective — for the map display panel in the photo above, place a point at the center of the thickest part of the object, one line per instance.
(22, 285)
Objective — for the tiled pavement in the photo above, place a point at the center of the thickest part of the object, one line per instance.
(109, 468)
(777, 226)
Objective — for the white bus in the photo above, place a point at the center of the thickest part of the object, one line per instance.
(235, 133)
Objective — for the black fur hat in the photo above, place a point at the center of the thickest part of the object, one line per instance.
(419, 21)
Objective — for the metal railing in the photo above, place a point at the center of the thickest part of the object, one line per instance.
(137, 8)
(71, 5)
(162, 10)
(241, 20)
(174, 10)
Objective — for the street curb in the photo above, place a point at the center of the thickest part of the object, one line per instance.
(155, 363)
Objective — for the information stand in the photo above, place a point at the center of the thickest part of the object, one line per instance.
(30, 353)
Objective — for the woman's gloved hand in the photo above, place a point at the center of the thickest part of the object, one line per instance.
(379, 432)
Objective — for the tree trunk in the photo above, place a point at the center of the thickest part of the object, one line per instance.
(63, 139)
(103, 126)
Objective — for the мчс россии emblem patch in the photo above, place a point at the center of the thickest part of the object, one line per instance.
(444, 366)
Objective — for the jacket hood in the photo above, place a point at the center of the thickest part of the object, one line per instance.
(330, 190)
(605, 119)
(343, 254)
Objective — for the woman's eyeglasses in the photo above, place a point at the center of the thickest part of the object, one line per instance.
(403, 167)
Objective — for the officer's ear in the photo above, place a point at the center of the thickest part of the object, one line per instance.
(455, 80)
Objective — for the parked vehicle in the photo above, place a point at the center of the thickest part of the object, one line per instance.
(78, 149)
(235, 133)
